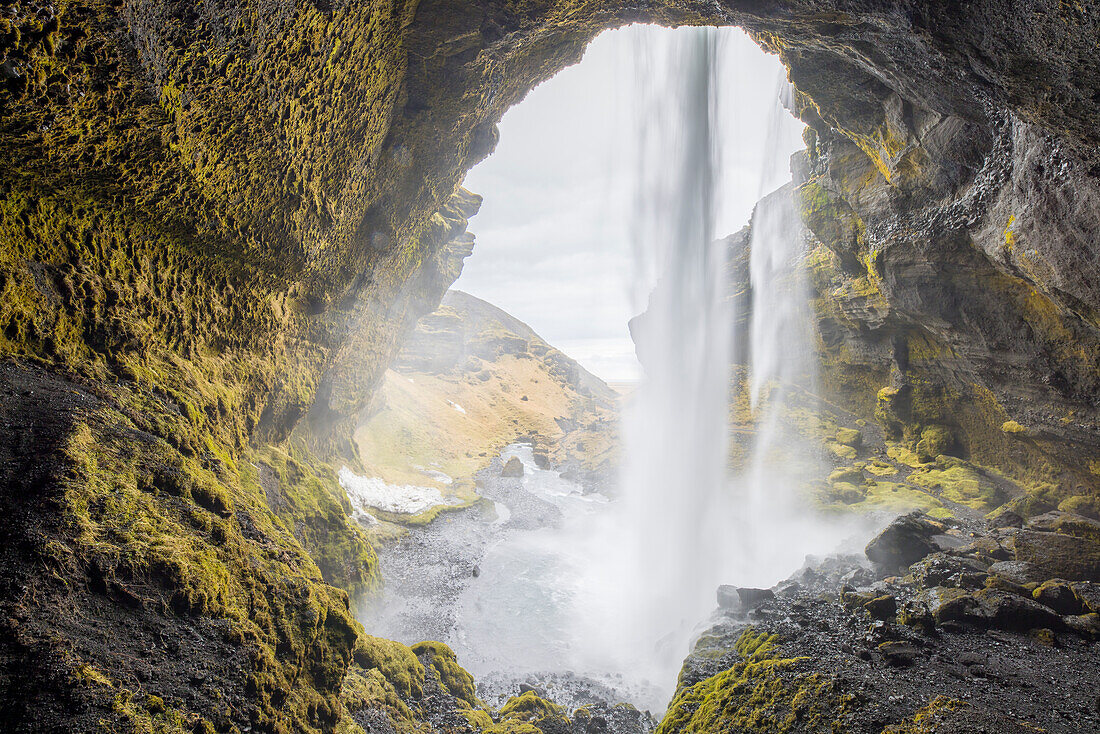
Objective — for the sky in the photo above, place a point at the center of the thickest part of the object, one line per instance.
(553, 234)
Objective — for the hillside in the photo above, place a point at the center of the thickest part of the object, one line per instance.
(472, 379)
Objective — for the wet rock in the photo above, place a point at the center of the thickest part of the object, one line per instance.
(1017, 572)
(904, 541)
(728, 598)
(947, 604)
(852, 599)
(513, 468)
(899, 654)
(1089, 594)
(988, 549)
(752, 598)
(1053, 555)
(1059, 596)
(882, 607)
(1004, 517)
(1085, 625)
(1011, 612)
(1066, 523)
(940, 569)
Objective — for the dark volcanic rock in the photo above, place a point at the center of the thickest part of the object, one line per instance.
(1053, 555)
(512, 468)
(905, 541)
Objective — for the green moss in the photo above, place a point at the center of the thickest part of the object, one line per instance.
(934, 441)
(903, 455)
(369, 689)
(308, 498)
(452, 676)
(1087, 505)
(927, 719)
(849, 436)
(530, 708)
(762, 692)
(962, 483)
(841, 450)
(881, 468)
(396, 662)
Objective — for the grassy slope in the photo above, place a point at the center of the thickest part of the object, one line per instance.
(504, 396)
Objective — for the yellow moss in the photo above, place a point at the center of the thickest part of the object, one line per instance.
(926, 719)
(762, 692)
(849, 436)
(453, 677)
(396, 662)
(903, 455)
(881, 468)
(961, 483)
(1009, 234)
(841, 450)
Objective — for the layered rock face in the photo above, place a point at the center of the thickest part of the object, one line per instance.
(218, 221)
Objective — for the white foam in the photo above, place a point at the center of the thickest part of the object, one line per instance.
(376, 493)
(457, 407)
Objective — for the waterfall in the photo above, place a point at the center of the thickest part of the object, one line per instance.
(686, 524)
(675, 427)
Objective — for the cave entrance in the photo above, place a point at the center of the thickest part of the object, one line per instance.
(511, 393)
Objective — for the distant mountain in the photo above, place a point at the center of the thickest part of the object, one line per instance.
(470, 380)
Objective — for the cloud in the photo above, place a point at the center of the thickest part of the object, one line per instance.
(553, 235)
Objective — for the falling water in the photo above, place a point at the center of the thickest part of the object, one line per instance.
(675, 428)
(686, 525)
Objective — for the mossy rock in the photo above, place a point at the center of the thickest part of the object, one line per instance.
(761, 692)
(396, 662)
(843, 451)
(529, 707)
(849, 437)
(934, 441)
(957, 481)
(452, 676)
(847, 474)
(1029, 505)
(1086, 505)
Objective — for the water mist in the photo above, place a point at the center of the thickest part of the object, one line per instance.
(684, 525)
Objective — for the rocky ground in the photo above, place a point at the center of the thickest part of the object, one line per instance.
(429, 570)
(960, 625)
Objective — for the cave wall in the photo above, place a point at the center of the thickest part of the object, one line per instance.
(218, 221)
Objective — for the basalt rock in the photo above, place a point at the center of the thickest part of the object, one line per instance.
(905, 541)
(946, 644)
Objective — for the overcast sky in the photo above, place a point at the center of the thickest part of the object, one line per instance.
(552, 235)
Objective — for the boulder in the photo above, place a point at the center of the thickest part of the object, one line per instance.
(1054, 555)
(1066, 523)
(742, 598)
(727, 597)
(940, 569)
(752, 598)
(899, 654)
(905, 541)
(1089, 594)
(1059, 596)
(883, 607)
(1008, 611)
(1016, 572)
(849, 437)
(513, 468)
(934, 441)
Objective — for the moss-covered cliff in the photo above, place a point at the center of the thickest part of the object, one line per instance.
(219, 219)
